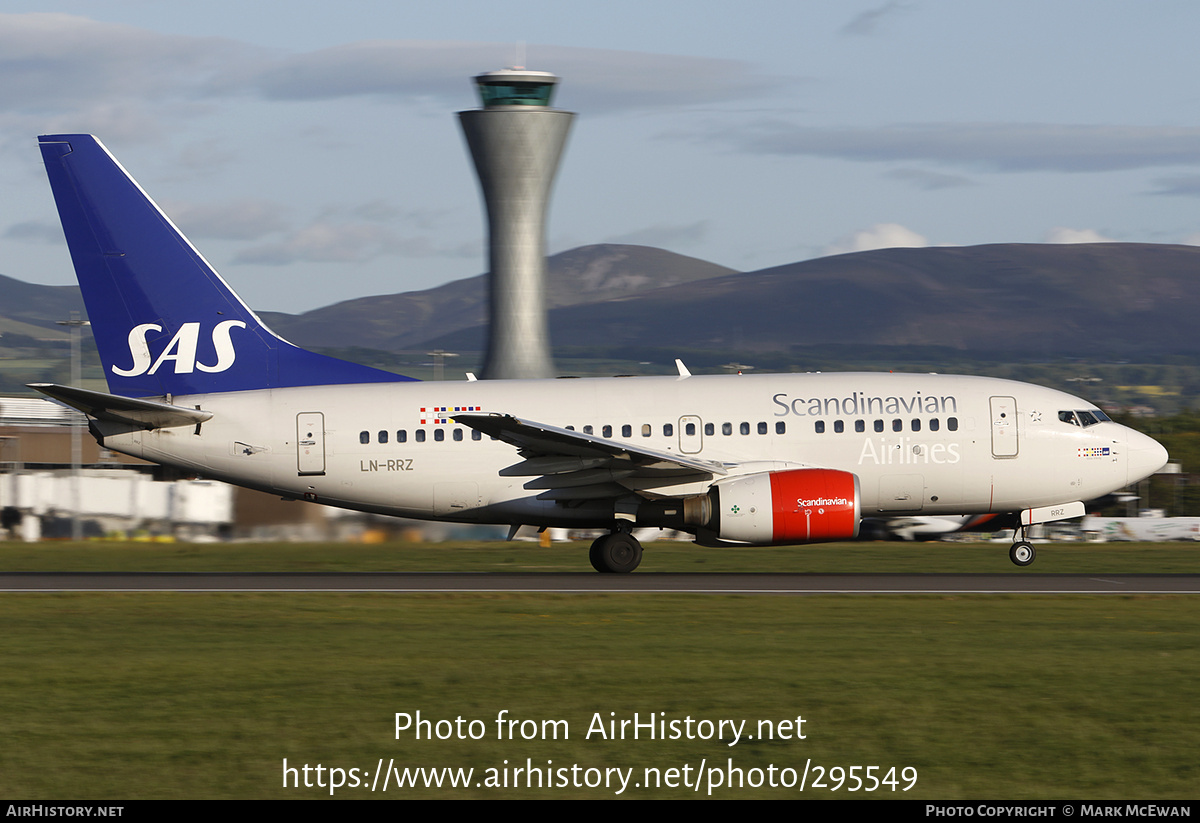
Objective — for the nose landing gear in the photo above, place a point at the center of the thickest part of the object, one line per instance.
(1022, 552)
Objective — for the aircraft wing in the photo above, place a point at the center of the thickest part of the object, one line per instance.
(145, 414)
(570, 465)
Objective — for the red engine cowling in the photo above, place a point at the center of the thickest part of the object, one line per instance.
(796, 506)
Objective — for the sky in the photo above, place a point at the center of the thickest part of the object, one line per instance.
(312, 151)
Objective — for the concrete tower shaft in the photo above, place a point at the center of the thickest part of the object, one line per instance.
(516, 143)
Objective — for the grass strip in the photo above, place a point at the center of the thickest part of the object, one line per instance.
(203, 695)
(828, 558)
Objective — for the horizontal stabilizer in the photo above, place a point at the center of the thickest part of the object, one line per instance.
(145, 414)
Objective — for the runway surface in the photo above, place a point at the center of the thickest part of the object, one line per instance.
(805, 584)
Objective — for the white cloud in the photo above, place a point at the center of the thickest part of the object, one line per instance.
(65, 73)
(331, 241)
(1184, 185)
(1002, 147)
(54, 58)
(600, 79)
(206, 155)
(879, 236)
(664, 235)
(37, 231)
(930, 180)
(1059, 234)
(68, 74)
(322, 242)
(868, 22)
(244, 219)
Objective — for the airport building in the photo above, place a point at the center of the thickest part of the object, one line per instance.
(112, 494)
(42, 491)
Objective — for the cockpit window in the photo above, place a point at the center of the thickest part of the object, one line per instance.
(1084, 417)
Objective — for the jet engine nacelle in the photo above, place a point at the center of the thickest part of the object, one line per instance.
(796, 506)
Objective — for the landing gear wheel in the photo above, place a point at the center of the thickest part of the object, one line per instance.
(616, 553)
(1022, 553)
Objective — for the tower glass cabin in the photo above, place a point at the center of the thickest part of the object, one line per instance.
(515, 87)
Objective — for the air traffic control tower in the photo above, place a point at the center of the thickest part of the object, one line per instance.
(516, 141)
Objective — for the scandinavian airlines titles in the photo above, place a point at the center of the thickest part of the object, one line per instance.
(860, 403)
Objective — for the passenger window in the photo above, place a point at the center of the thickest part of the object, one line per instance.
(364, 437)
(627, 430)
(402, 436)
(897, 425)
(587, 429)
(420, 435)
(819, 426)
(744, 428)
(439, 435)
(916, 425)
(383, 437)
(690, 429)
(780, 427)
(570, 428)
(606, 431)
(668, 430)
(952, 424)
(726, 428)
(708, 429)
(860, 425)
(645, 430)
(762, 427)
(458, 435)
(878, 425)
(476, 434)
(934, 425)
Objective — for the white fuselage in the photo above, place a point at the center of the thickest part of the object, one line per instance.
(948, 444)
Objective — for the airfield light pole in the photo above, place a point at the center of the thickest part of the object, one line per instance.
(439, 358)
(516, 141)
(76, 325)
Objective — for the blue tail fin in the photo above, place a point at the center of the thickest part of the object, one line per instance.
(165, 322)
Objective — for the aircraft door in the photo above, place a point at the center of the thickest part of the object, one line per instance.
(691, 439)
(310, 443)
(1004, 427)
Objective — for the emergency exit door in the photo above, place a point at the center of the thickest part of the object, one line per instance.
(691, 440)
(310, 443)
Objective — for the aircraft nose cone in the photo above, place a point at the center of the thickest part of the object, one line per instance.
(1146, 456)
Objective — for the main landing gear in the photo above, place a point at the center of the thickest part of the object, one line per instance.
(1022, 552)
(616, 553)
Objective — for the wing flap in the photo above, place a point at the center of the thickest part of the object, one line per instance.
(587, 477)
(599, 491)
(536, 466)
(538, 440)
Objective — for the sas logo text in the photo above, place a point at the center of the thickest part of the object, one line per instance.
(181, 351)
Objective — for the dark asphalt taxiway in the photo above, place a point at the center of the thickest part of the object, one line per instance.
(1016, 583)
